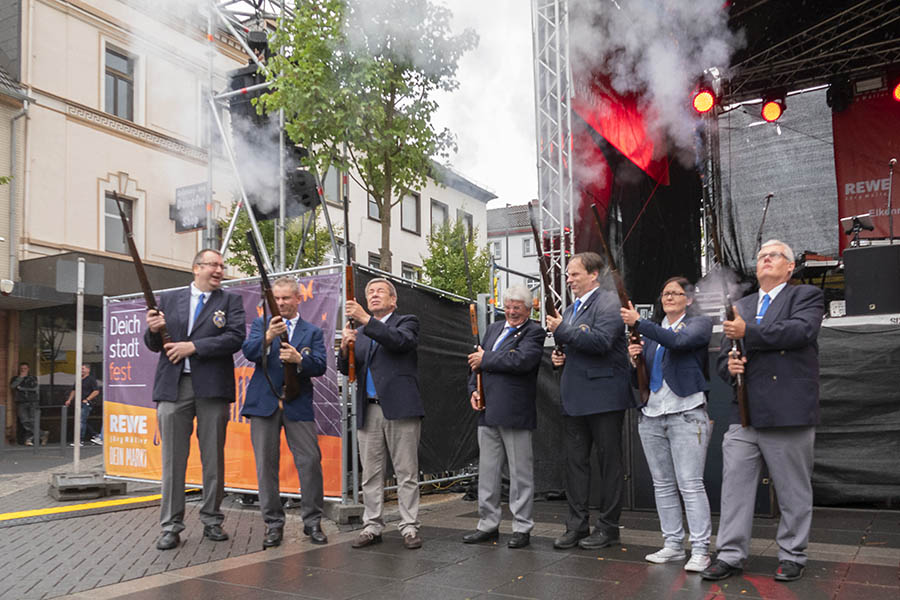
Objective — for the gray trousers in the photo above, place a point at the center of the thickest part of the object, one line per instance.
(788, 452)
(398, 438)
(176, 424)
(496, 444)
(265, 435)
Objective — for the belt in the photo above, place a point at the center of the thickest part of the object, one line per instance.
(374, 401)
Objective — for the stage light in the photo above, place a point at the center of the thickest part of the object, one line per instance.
(895, 92)
(773, 106)
(704, 100)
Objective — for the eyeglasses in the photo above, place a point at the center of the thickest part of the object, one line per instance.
(770, 255)
(672, 294)
(214, 265)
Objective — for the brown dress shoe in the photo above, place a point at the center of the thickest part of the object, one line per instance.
(412, 541)
(365, 538)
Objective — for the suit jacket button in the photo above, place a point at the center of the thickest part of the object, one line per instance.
(782, 352)
(774, 377)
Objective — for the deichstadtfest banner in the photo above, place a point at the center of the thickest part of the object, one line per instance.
(131, 439)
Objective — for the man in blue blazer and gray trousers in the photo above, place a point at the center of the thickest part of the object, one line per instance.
(269, 412)
(195, 378)
(779, 328)
(389, 409)
(509, 360)
(595, 388)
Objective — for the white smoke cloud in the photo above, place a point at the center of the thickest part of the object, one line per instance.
(657, 49)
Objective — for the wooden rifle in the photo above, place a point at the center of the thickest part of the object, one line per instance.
(740, 382)
(291, 387)
(149, 298)
(473, 320)
(351, 345)
(633, 336)
(549, 305)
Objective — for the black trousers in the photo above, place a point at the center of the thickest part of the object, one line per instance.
(602, 431)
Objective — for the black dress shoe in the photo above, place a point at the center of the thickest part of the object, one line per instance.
(599, 539)
(519, 540)
(788, 570)
(215, 533)
(569, 539)
(273, 537)
(168, 540)
(478, 536)
(315, 533)
(719, 570)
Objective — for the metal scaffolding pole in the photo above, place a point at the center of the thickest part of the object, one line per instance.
(553, 91)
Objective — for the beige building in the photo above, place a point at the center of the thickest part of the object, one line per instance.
(111, 96)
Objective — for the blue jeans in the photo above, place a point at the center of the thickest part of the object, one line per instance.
(85, 413)
(675, 447)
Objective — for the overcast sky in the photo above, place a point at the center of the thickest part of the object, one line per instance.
(492, 112)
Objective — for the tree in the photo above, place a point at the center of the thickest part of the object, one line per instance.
(445, 268)
(355, 79)
(4, 179)
(318, 242)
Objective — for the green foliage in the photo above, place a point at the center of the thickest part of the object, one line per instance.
(445, 268)
(362, 73)
(239, 255)
(4, 179)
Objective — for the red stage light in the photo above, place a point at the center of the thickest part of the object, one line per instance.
(704, 100)
(895, 93)
(772, 110)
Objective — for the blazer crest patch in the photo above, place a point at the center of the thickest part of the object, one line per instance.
(219, 319)
(681, 326)
(584, 327)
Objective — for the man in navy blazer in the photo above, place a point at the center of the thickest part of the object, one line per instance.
(595, 388)
(779, 328)
(269, 411)
(508, 359)
(388, 407)
(195, 378)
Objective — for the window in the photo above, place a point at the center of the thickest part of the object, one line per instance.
(374, 213)
(468, 223)
(528, 247)
(374, 260)
(332, 187)
(115, 233)
(119, 84)
(439, 215)
(410, 272)
(409, 214)
(496, 250)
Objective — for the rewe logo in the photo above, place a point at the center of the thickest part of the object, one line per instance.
(867, 186)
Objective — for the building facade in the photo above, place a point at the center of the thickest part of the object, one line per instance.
(511, 243)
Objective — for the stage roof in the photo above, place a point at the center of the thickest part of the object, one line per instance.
(802, 43)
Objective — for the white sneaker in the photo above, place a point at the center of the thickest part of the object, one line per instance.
(665, 555)
(697, 563)
(97, 440)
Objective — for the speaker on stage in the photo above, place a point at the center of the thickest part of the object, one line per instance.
(872, 280)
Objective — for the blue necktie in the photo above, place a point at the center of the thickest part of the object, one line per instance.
(198, 310)
(370, 381)
(289, 328)
(763, 308)
(575, 310)
(656, 373)
(506, 332)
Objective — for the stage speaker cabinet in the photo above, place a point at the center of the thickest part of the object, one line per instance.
(872, 280)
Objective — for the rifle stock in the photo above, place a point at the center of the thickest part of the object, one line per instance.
(351, 345)
(549, 304)
(473, 321)
(291, 387)
(149, 298)
(633, 336)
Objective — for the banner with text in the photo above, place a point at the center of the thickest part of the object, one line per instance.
(866, 137)
(131, 439)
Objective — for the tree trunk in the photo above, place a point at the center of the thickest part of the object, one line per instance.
(386, 194)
